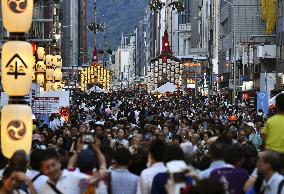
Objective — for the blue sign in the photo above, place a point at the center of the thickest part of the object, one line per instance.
(262, 102)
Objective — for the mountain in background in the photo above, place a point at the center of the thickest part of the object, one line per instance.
(119, 16)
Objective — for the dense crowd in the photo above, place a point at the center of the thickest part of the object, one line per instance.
(132, 142)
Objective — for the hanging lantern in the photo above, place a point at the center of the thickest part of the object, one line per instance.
(49, 74)
(33, 76)
(17, 68)
(57, 86)
(49, 86)
(57, 61)
(17, 15)
(16, 129)
(57, 75)
(40, 53)
(40, 79)
(49, 61)
(41, 89)
(40, 67)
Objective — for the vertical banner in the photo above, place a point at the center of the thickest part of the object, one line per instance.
(262, 102)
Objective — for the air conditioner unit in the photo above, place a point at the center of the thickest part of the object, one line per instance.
(266, 51)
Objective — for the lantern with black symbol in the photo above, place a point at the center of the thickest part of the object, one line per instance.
(41, 53)
(17, 15)
(49, 74)
(48, 86)
(57, 75)
(57, 61)
(49, 61)
(40, 79)
(16, 129)
(40, 67)
(17, 68)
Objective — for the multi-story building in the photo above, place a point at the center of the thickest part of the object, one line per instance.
(280, 44)
(244, 18)
(74, 36)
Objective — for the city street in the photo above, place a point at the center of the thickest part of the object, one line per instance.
(142, 97)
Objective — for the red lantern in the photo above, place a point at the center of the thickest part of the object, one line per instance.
(245, 96)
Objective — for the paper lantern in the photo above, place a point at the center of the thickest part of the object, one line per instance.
(49, 61)
(57, 60)
(41, 89)
(17, 15)
(57, 75)
(40, 79)
(33, 76)
(40, 67)
(16, 129)
(49, 74)
(48, 86)
(40, 53)
(57, 86)
(17, 68)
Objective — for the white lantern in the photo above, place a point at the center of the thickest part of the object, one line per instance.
(33, 76)
(49, 61)
(17, 15)
(40, 67)
(57, 86)
(40, 53)
(48, 86)
(41, 89)
(57, 61)
(49, 74)
(57, 75)
(40, 79)
(16, 129)
(17, 68)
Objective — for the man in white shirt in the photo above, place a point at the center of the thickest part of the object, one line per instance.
(60, 182)
(155, 157)
(217, 156)
(268, 165)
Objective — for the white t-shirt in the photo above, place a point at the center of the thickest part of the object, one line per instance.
(39, 182)
(67, 183)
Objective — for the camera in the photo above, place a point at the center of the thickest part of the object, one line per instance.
(179, 178)
(87, 140)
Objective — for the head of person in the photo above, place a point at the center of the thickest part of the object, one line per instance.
(242, 135)
(19, 160)
(86, 161)
(156, 152)
(50, 164)
(74, 131)
(35, 159)
(9, 180)
(280, 103)
(83, 129)
(234, 155)
(216, 151)
(268, 161)
(122, 157)
(120, 134)
(173, 152)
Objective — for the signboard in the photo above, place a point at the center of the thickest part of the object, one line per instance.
(64, 97)
(47, 105)
(262, 101)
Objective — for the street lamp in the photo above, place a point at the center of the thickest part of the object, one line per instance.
(235, 52)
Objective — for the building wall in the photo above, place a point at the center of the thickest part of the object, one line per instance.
(247, 22)
(280, 37)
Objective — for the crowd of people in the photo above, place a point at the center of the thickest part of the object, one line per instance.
(132, 142)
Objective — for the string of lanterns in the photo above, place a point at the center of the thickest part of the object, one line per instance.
(47, 71)
(17, 70)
